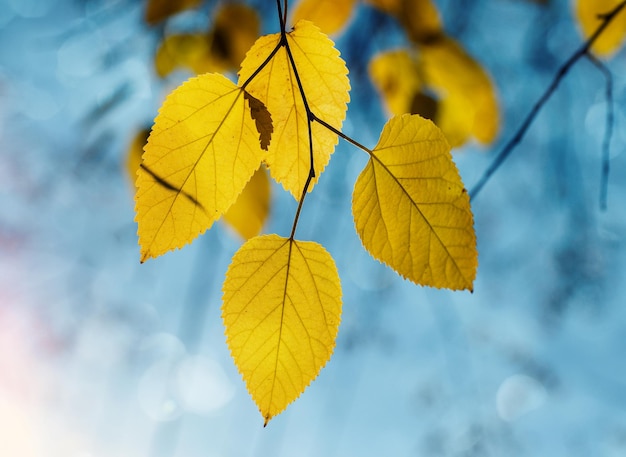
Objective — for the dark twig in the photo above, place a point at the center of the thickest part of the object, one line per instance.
(310, 117)
(563, 71)
(608, 131)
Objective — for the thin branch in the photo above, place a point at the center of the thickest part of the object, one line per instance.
(310, 116)
(608, 131)
(285, 12)
(262, 66)
(282, 18)
(563, 71)
(342, 135)
(300, 203)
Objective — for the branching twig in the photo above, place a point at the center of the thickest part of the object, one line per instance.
(608, 131)
(517, 138)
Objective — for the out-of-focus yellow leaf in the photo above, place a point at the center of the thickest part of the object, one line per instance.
(235, 29)
(329, 15)
(612, 38)
(420, 18)
(411, 210)
(468, 105)
(324, 78)
(133, 155)
(281, 309)
(396, 76)
(203, 149)
(252, 207)
(158, 10)
(188, 50)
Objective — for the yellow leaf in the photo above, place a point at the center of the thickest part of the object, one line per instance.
(329, 15)
(235, 29)
(411, 210)
(612, 38)
(158, 10)
(203, 149)
(324, 77)
(281, 310)
(468, 104)
(420, 18)
(188, 50)
(133, 155)
(251, 209)
(396, 76)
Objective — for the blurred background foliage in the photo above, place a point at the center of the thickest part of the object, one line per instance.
(101, 356)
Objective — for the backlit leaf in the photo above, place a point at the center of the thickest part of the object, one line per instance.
(281, 309)
(250, 211)
(187, 50)
(203, 149)
(468, 104)
(612, 38)
(396, 75)
(324, 78)
(411, 210)
(134, 153)
(420, 18)
(158, 10)
(329, 15)
(235, 30)
(221, 49)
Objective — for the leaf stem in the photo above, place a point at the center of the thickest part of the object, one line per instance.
(263, 65)
(342, 135)
(310, 117)
(561, 73)
(282, 18)
(300, 203)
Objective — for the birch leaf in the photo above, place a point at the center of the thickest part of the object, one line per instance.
(588, 13)
(324, 78)
(281, 309)
(411, 210)
(468, 103)
(329, 15)
(203, 149)
(159, 10)
(250, 211)
(396, 75)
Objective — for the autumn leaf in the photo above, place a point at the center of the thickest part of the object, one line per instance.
(411, 210)
(236, 28)
(250, 210)
(281, 309)
(186, 50)
(589, 12)
(396, 75)
(222, 48)
(419, 18)
(324, 79)
(134, 153)
(158, 10)
(468, 104)
(203, 149)
(329, 15)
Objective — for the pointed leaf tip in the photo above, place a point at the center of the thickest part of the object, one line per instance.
(281, 310)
